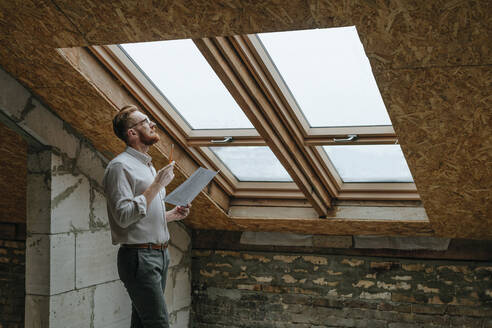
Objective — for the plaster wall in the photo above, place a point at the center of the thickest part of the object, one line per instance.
(71, 273)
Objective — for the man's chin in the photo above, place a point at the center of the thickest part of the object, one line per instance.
(151, 140)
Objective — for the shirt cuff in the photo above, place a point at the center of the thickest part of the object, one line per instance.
(141, 202)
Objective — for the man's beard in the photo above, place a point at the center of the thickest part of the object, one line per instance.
(149, 140)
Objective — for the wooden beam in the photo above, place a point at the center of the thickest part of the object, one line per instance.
(349, 195)
(235, 73)
(336, 226)
(362, 212)
(268, 202)
(286, 107)
(397, 187)
(273, 186)
(269, 194)
(273, 212)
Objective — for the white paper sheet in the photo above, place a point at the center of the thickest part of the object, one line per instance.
(187, 191)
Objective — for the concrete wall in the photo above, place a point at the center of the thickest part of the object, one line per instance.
(272, 289)
(71, 273)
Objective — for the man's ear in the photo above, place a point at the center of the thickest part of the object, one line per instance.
(131, 132)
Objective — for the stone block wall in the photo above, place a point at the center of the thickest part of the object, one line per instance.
(266, 289)
(178, 286)
(70, 263)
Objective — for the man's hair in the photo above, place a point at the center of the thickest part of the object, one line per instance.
(120, 121)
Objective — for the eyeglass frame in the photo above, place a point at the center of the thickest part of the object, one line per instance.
(144, 120)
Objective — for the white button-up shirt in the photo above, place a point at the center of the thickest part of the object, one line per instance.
(127, 176)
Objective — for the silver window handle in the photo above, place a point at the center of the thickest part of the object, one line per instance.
(226, 140)
(350, 137)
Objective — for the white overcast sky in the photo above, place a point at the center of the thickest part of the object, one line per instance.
(329, 75)
(251, 163)
(185, 78)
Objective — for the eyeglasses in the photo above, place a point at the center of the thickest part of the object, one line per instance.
(149, 122)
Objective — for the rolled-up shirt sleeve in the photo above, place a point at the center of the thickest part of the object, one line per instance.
(126, 208)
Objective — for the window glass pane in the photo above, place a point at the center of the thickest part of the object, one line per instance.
(329, 75)
(249, 163)
(369, 163)
(181, 73)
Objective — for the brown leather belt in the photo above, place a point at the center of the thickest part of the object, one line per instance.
(148, 246)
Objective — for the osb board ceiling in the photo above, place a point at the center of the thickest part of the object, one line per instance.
(431, 60)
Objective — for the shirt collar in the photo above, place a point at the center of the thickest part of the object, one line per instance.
(144, 158)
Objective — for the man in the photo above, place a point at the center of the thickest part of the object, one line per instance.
(138, 219)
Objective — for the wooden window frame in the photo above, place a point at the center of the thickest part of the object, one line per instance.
(242, 58)
(321, 136)
(125, 70)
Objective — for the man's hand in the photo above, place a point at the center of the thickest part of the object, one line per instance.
(178, 213)
(165, 175)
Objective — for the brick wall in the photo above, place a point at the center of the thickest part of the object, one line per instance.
(12, 275)
(13, 161)
(266, 289)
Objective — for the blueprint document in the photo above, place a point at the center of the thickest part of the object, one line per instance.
(188, 190)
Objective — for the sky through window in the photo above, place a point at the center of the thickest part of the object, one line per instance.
(252, 163)
(369, 163)
(329, 75)
(184, 77)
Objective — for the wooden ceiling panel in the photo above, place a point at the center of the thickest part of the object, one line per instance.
(418, 33)
(441, 113)
(444, 119)
(397, 33)
(110, 22)
(41, 22)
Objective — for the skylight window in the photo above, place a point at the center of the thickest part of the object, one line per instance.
(252, 163)
(329, 76)
(181, 73)
(369, 163)
(312, 98)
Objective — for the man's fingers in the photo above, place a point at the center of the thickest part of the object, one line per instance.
(183, 210)
(168, 167)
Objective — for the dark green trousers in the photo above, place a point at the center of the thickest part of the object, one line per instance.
(144, 272)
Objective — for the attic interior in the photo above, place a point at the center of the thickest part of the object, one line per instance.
(294, 241)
